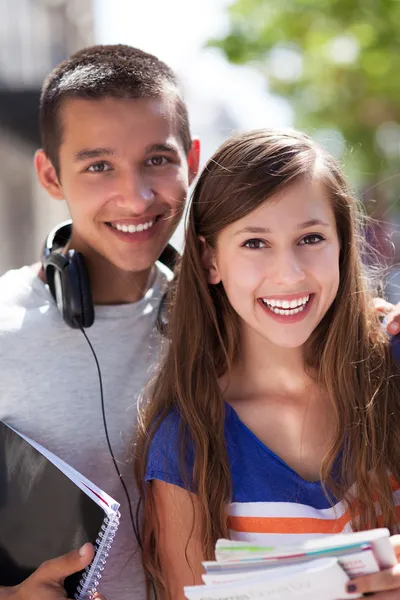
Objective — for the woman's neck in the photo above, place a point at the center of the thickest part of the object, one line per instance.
(285, 407)
(262, 368)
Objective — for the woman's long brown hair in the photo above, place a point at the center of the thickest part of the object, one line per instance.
(348, 350)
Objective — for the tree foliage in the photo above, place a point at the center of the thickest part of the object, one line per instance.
(336, 61)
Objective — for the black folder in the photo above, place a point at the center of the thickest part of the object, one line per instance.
(47, 509)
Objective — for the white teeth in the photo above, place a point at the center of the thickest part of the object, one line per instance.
(286, 307)
(132, 228)
(285, 304)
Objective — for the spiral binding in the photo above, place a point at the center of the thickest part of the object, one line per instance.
(91, 577)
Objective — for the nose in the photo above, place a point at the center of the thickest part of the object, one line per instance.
(288, 268)
(136, 193)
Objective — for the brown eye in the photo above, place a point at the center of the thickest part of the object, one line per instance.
(99, 167)
(254, 244)
(312, 239)
(157, 161)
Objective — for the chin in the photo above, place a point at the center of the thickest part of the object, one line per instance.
(131, 262)
(133, 266)
(290, 342)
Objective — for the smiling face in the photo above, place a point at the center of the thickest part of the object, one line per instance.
(124, 174)
(279, 265)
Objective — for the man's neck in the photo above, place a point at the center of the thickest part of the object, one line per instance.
(114, 286)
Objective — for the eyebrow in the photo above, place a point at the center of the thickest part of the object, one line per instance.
(167, 147)
(94, 153)
(305, 225)
(90, 153)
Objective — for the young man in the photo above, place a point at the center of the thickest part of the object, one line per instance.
(117, 148)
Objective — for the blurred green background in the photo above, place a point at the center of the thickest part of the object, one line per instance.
(337, 62)
(330, 67)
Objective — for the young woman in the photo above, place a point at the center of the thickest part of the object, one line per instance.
(275, 415)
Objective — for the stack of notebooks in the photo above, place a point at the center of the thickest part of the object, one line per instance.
(318, 569)
(47, 509)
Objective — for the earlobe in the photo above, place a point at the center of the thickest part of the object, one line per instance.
(213, 276)
(47, 175)
(194, 160)
(209, 262)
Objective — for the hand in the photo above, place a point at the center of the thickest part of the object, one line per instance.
(385, 585)
(392, 313)
(47, 582)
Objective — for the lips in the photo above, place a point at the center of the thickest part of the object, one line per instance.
(135, 221)
(133, 227)
(289, 309)
(135, 230)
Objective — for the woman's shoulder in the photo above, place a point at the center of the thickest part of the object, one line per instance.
(170, 455)
(166, 434)
(166, 425)
(171, 426)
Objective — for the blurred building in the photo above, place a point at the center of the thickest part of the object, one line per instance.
(35, 35)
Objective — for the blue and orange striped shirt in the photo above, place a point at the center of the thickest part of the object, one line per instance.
(271, 503)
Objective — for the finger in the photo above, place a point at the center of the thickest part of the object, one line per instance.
(382, 306)
(57, 569)
(395, 541)
(390, 595)
(389, 579)
(393, 322)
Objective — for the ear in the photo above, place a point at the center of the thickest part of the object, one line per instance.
(209, 262)
(194, 160)
(47, 175)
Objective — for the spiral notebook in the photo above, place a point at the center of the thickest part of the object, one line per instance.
(47, 509)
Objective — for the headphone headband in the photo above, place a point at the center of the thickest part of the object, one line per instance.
(58, 237)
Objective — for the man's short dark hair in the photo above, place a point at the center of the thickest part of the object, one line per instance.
(115, 71)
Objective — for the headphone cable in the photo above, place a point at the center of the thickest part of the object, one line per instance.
(134, 521)
(136, 532)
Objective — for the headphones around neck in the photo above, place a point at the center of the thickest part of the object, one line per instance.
(68, 278)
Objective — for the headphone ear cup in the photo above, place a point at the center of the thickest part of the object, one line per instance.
(55, 267)
(80, 276)
(68, 278)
